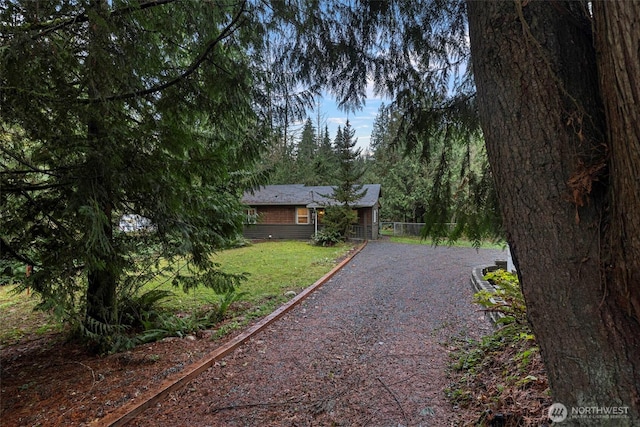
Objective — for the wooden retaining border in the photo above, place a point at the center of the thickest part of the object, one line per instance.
(479, 284)
(128, 412)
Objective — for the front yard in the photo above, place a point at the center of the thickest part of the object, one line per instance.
(273, 268)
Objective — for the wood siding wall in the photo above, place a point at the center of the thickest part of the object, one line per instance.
(278, 231)
(365, 222)
(364, 216)
(276, 214)
(279, 222)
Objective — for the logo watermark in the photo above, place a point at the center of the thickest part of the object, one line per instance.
(558, 413)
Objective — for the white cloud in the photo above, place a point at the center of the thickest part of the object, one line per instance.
(361, 120)
(338, 121)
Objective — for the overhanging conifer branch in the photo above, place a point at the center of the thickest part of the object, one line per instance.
(48, 27)
(226, 32)
(7, 249)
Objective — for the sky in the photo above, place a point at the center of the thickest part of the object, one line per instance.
(361, 121)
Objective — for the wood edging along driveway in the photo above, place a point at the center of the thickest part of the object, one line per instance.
(129, 411)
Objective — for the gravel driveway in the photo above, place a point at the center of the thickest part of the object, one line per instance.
(369, 348)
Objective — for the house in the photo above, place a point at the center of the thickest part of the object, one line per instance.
(295, 211)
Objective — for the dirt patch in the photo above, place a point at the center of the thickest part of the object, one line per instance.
(51, 382)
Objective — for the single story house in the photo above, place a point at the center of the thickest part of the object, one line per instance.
(295, 211)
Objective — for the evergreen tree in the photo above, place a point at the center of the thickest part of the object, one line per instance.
(96, 95)
(306, 155)
(406, 179)
(340, 217)
(307, 144)
(280, 162)
(111, 108)
(381, 134)
(326, 162)
(349, 188)
(556, 98)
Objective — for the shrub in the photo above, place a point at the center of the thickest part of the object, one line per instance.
(507, 298)
(337, 223)
(327, 237)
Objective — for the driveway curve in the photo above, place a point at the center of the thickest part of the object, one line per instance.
(369, 348)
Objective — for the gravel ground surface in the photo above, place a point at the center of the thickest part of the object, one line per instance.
(369, 348)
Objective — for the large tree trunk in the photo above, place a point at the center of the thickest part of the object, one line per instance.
(540, 107)
(618, 42)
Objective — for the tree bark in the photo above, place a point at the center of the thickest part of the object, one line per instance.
(618, 43)
(541, 112)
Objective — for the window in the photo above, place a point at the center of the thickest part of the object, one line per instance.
(302, 216)
(375, 216)
(251, 216)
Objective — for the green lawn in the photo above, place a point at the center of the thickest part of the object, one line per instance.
(273, 267)
(18, 320)
(415, 240)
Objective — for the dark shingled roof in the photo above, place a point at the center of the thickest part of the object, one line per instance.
(302, 195)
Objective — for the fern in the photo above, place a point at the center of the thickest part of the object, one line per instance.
(136, 310)
(225, 302)
(106, 338)
(171, 325)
